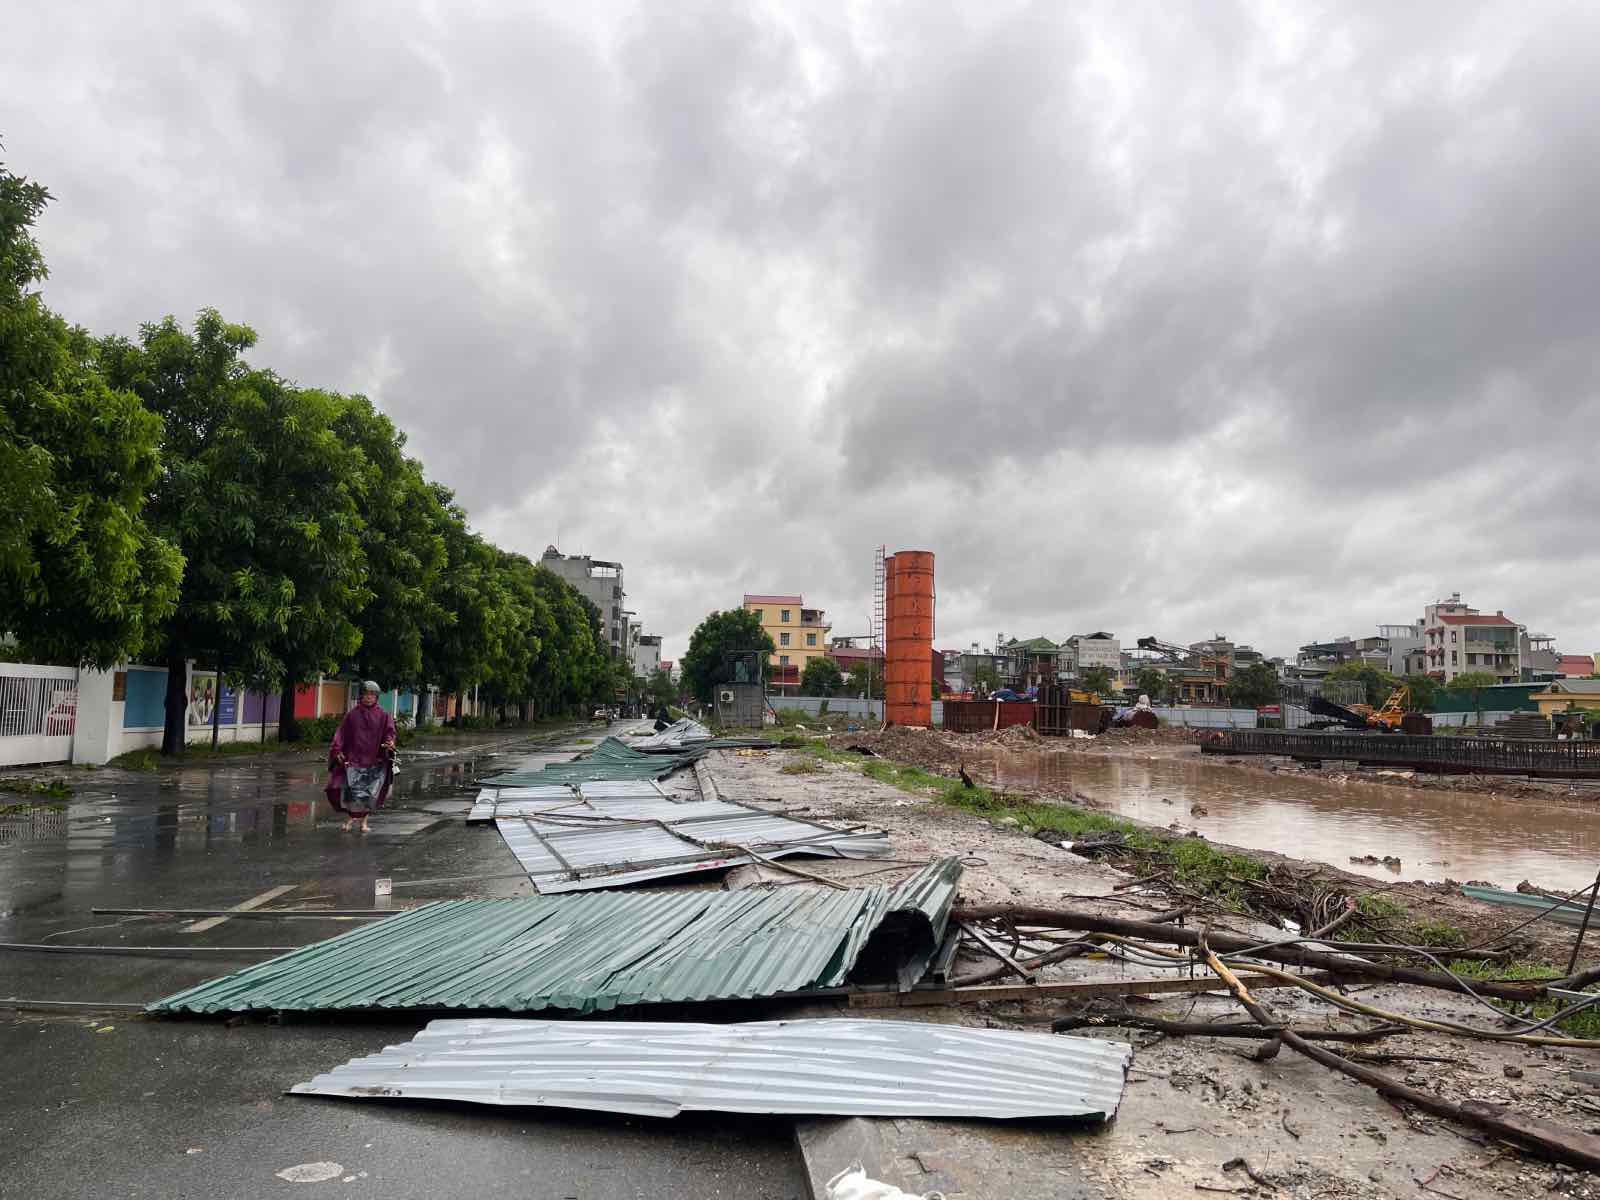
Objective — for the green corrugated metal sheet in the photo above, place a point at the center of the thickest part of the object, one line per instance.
(613, 759)
(598, 950)
(1499, 697)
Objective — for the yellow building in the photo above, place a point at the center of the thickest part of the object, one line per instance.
(798, 634)
(1559, 694)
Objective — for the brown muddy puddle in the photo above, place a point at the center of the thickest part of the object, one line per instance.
(1435, 834)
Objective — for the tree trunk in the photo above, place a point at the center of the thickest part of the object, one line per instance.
(461, 700)
(177, 705)
(288, 728)
(216, 705)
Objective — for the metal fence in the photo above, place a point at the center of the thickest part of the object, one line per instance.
(1197, 717)
(37, 701)
(1443, 755)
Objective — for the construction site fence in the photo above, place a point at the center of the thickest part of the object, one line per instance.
(850, 706)
(1575, 759)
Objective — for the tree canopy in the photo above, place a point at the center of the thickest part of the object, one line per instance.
(1151, 681)
(1253, 686)
(1097, 679)
(84, 578)
(162, 497)
(821, 677)
(1376, 683)
(720, 634)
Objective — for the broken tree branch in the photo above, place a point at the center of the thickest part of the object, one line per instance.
(1543, 1137)
(1217, 1028)
(1295, 955)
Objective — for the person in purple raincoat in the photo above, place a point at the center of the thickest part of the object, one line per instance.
(361, 760)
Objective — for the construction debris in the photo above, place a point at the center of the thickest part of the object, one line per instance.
(598, 841)
(835, 1066)
(596, 951)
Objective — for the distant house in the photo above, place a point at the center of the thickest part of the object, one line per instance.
(1575, 666)
(1563, 694)
(798, 633)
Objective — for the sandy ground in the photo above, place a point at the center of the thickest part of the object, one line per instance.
(1194, 1103)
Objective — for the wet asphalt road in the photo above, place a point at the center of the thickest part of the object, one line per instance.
(119, 1105)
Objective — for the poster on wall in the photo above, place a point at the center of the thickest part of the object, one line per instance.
(228, 706)
(202, 698)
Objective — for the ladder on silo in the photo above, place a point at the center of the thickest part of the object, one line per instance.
(879, 635)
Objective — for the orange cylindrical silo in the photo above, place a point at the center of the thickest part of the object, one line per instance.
(908, 664)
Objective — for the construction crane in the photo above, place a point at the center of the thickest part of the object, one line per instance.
(1166, 649)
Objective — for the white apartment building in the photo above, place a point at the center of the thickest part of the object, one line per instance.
(1457, 639)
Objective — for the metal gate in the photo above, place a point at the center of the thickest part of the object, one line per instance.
(38, 713)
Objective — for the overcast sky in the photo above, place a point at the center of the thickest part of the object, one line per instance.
(1276, 321)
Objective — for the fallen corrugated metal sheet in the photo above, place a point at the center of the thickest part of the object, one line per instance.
(491, 799)
(612, 759)
(598, 950)
(844, 1067)
(1562, 912)
(675, 736)
(570, 846)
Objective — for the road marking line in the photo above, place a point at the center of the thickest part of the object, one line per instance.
(253, 902)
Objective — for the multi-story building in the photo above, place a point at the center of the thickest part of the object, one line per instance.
(1458, 639)
(646, 655)
(599, 582)
(1084, 650)
(798, 633)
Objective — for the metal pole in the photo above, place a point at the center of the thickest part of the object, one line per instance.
(1594, 888)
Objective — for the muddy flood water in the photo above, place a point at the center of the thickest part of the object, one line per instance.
(1435, 834)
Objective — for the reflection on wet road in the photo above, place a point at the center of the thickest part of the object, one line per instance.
(218, 831)
(1435, 834)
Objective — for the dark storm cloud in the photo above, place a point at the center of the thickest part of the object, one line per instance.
(1266, 320)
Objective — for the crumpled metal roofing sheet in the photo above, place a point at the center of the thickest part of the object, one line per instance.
(568, 847)
(836, 1067)
(552, 795)
(597, 950)
(675, 736)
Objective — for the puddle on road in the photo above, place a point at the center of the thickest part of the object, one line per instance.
(1435, 834)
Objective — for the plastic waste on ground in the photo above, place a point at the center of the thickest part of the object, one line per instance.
(853, 1183)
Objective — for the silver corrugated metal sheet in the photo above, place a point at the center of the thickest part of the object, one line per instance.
(598, 950)
(844, 1067)
(613, 843)
(679, 734)
(569, 844)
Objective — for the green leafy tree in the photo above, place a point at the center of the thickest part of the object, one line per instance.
(1097, 679)
(1424, 691)
(1253, 686)
(402, 543)
(1152, 682)
(720, 634)
(1376, 683)
(865, 678)
(1473, 683)
(659, 689)
(259, 492)
(985, 678)
(821, 677)
(460, 650)
(84, 578)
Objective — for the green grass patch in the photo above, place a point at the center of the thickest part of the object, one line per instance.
(801, 766)
(1193, 861)
(584, 742)
(1584, 1024)
(56, 789)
